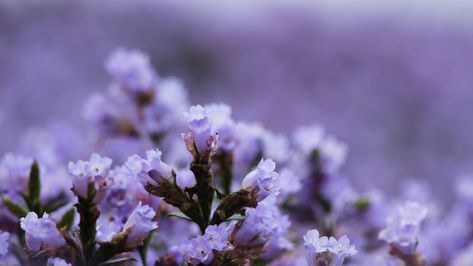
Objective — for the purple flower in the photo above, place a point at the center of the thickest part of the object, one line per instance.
(198, 251)
(41, 233)
(217, 236)
(93, 171)
(185, 178)
(14, 174)
(263, 178)
(131, 69)
(260, 224)
(149, 169)
(4, 243)
(340, 250)
(166, 110)
(314, 245)
(139, 224)
(200, 126)
(57, 262)
(223, 125)
(332, 153)
(403, 227)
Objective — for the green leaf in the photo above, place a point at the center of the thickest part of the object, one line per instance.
(179, 215)
(117, 261)
(235, 217)
(15, 208)
(67, 220)
(34, 184)
(56, 206)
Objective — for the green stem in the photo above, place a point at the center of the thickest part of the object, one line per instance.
(89, 214)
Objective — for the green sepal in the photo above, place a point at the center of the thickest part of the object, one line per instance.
(117, 261)
(179, 215)
(15, 208)
(34, 183)
(67, 220)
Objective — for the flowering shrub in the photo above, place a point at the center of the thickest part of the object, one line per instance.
(210, 190)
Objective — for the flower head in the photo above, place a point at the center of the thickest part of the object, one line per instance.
(263, 178)
(150, 169)
(139, 224)
(131, 69)
(217, 236)
(200, 134)
(314, 244)
(338, 249)
(94, 171)
(41, 233)
(403, 227)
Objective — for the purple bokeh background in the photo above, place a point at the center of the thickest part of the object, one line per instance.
(396, 84)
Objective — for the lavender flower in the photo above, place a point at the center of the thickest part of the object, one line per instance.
(149, 169)
(332, 153)
(93, 171)
(57, 262)
(223, 125)
(139, 224)
(314, 245)
(41, 233)
(404, 226)
(14, 174)
(131, 69)
(340, 250)
(200, 134)
(217, 236)
(263, 178)
(4, 243)
(198, 251)
(260, 224)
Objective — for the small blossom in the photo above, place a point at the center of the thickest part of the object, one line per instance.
(260, 224)
(340, 250)
(185, 178)
(198, 251)
(4, 245)
(131, 69)
(14, 174)
(151, 168)
(57, 262)
(263, 178)
(217, 236)
(403, 228)
(223, 125)
(314, 244)
(139, 224)
(41, 233)
(200, 125)
(332, 153)
(93, 171)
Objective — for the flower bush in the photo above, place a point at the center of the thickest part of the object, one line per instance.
(209, 190)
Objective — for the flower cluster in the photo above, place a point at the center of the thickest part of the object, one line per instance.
(189, 185)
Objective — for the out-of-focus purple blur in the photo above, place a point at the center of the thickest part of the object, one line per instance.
(394, 81)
